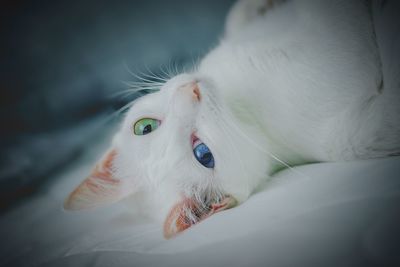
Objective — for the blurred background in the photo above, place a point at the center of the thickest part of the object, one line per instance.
(62, 64)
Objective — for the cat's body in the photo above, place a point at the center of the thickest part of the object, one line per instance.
(291, 82)
(310, 74)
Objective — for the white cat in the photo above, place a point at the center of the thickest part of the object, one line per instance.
(291, 82)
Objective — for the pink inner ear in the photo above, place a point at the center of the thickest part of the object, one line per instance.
(188, 212)
(102, 172)
(100, 187)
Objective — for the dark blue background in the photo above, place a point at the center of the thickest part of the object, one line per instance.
(62, 62)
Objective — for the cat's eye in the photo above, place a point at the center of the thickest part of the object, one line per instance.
(203, 155)
(145, 126)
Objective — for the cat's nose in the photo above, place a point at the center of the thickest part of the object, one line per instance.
(196, 92)
(193, 89)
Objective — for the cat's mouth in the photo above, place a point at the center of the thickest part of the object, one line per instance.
(189, 211)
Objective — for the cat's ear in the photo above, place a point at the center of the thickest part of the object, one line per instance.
(190, 211)
(99, 188)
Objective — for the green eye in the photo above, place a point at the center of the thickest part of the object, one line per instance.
(145, 126)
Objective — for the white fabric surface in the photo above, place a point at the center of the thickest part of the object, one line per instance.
(328, 214)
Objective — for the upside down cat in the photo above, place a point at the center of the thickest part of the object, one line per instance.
(291, 82)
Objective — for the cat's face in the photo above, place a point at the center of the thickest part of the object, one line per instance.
(180, 149)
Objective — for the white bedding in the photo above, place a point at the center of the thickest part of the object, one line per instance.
(330, 214)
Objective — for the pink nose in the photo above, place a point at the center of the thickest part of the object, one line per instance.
(192, 88)
(196, 92)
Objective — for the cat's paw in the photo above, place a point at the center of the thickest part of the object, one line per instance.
(245, 11)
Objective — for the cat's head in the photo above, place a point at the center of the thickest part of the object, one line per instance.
(183, 150)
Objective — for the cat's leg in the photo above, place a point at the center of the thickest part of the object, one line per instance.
(246, 11)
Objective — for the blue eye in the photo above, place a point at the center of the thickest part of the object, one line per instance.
(204, 155)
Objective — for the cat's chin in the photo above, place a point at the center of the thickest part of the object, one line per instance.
(189, 212)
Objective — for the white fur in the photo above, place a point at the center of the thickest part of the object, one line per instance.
(299, 83)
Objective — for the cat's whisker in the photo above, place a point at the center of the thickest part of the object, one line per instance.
(154, 76)
(154, 79)
(123, 95)
(145, 83)
(168, 69)
(173, 68)
(141, 84)
(165, 72)
(116, 113)
(142, 79)
(131, 91)
(146, 87)
(177, 71)
(123, 108)
(136, 85)
(134, 90)
(194, 63)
